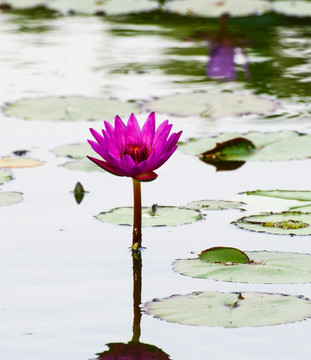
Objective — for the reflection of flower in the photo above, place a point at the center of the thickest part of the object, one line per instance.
(132, 351)
(225, 53)
(221, 64)
(130, 151)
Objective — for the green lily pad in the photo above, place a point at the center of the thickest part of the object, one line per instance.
(87, 166)
(18, 162)
(74, 151)
(10, 197)
(292, 8)
(214, 205)
(211, 105)
(107, 7)
(265, 268)
(299, 195)
(72, 108)
(154, 216)
(230, 310)
(280, 146)
(235, 147)
(5, 176)
(224, 255)
(217, 8)
(285, 223)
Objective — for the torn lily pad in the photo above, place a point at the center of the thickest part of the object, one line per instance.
(71, 108)
(5, 176)
(18, 162)
(280, 146)
(230, 310)
(154, 216)
(10, 197)
(285, 223)
(214, 205)
(217, 8)
(211, 105)
(265, 267)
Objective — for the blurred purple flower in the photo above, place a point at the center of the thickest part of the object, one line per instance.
(130, 151)
(221, 64)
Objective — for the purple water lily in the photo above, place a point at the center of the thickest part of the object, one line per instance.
(127, 150)
(130, 151)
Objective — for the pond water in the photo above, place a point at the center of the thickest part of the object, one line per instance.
(66, 277)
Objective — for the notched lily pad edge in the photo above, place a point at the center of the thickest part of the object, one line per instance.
(198, 218)
(207, 208)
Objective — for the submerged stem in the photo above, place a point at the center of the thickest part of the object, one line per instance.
(136, 215)
(137, 286)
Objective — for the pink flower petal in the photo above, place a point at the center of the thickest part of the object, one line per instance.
(132, 134)
(104, 165)
(148, 130)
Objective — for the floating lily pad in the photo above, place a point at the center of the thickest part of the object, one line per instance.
(73, 108)
(87, 7)
(74, 151)
(10, 197)
(285, 223)
(292, 8)
(24, 4)
(107, 7)
(18, 162)
(5, 176)
(116, 7)
(211, 105)
(217, 8)
(303, 208)
(82, 166)
(283, 194)
(214, 205)
(230, 310)
(154, 216)
(265, 268)
(280, 146)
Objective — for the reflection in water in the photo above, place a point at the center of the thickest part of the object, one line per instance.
(134, 349)
(224, 53)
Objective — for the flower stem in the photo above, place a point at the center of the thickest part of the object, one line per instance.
(136, 215)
